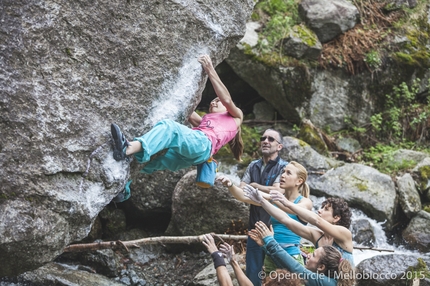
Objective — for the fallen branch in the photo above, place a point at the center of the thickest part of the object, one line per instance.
(145, 241)
(372, 248)
(169, 239)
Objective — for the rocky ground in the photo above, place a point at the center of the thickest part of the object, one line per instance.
(166, 269)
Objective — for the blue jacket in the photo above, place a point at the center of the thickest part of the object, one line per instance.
(267, 178)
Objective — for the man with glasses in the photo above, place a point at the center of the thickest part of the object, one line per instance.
(264, 175)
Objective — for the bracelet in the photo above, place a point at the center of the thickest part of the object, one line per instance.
(218, 259)
(230, 185)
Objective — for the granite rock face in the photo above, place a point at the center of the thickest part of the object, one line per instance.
(69, 69)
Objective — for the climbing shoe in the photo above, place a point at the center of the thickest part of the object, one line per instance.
(124, 194)
(119, 143)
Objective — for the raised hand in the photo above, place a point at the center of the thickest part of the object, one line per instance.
(263, 230)
(228, 251)
(255, 235)
(277, 196)
(206, 63)
(253, 194)
(224, 180)
(209, 242)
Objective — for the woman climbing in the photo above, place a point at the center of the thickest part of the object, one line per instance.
(185, 146)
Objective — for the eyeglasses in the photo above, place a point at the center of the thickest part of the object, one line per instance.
(270, 138)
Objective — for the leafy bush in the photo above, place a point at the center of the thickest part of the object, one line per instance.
(404, 117)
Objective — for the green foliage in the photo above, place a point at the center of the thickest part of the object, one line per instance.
(273, 7)
(353, 127)
(373, 59)
(404, 117)
(277, 17)
(381, 158)
(251, 141)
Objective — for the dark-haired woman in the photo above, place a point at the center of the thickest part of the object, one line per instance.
(324, 267)
(332, 221)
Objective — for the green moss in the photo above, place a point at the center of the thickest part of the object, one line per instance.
(425, 172)
(303, 143)
(68, 52)
(311, 137)
(404, 58)
(427, 208)
(255, 16)
(306, 35)
(362, 187)
(420, 270)
(425, 176)
(416, 51)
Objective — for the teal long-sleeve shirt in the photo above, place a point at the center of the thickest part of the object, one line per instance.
(283, 260)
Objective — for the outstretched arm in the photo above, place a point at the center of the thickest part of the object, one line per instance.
(304, 203)
(238, 192)
(295, 226)
(220, 89)
(267, 189)
(340, 234)
(228, 252)
(221, 270)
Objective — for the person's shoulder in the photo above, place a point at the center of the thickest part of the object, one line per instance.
(254, 162)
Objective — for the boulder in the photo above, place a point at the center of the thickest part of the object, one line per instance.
(348, 144)
(70, 69)
(267, 81)
(362, 233)
(362, 187)
(300, 151)
(197, 211)
(104, 262)
(391, 269)
(263, 111)
(302, 43)
(409, 198)
(59, 274)
(404, 156)
(151, 194)
(422, 174)
(417, 233)
(329, 18)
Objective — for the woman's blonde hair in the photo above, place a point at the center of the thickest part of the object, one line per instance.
(337, 267)
(302, 174)
(236, 145)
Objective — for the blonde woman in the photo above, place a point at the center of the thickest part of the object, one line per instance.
(293, 182)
